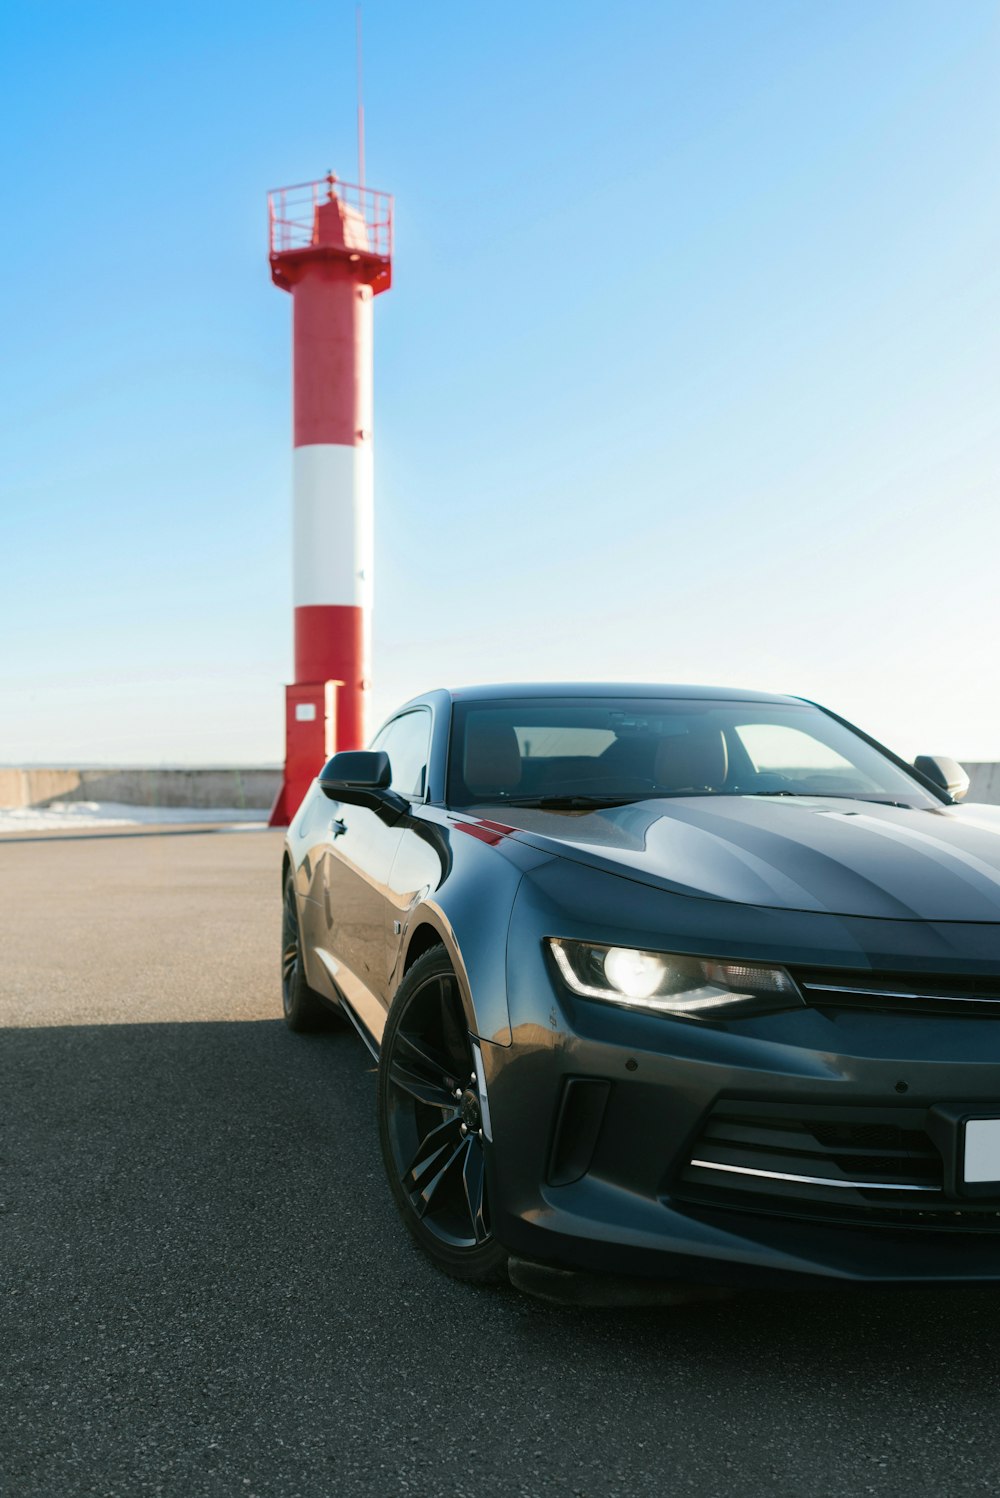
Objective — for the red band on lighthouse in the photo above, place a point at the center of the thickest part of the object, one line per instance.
(332, 354)
(332, 272)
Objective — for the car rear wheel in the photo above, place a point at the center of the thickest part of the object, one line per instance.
(304, 1008)
(431, 1123)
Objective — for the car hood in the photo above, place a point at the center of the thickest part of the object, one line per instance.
(825, 854)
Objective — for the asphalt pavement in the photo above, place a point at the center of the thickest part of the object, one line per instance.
(206, 1292)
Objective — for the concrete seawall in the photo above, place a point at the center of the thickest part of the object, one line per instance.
(985, 785)
(252, 788)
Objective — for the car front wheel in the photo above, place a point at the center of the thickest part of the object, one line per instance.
(431, 1123)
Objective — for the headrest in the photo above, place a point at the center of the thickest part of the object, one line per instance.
(492, 756)
(692, 761)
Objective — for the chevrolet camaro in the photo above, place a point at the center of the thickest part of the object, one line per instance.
(676, 984)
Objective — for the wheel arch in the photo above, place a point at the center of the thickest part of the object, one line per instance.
(425, 937)
(479, 961)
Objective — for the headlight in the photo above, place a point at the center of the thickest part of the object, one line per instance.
(671, 984)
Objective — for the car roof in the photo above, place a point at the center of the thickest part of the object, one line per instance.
(499, 691)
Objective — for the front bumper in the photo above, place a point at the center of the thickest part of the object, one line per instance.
(598, 1114)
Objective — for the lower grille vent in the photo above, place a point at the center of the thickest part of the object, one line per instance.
(848, 1165)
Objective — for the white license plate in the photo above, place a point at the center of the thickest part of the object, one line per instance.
(982, 1150)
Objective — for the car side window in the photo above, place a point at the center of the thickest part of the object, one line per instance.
(406, 740)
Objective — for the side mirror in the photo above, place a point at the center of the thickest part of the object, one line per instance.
(360, 777)
(945, 772)
(355, 770)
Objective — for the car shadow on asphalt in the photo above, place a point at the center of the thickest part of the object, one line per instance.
(194, 1136)
(199, 1240)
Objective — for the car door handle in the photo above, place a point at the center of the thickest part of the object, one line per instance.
(337, 827)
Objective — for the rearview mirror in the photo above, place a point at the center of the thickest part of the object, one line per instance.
(945, 772)
(356, 775)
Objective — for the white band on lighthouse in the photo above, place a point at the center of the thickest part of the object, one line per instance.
(333, 525)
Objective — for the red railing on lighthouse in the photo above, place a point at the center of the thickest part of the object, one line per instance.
(292, 223)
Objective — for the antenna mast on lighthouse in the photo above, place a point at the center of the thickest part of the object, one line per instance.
(331, 248)
(361, 100)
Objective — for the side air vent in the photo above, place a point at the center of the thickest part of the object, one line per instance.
(578, 1124)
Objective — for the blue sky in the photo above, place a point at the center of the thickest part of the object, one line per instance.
(690, 370)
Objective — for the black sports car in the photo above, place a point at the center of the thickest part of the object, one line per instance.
(669, 982)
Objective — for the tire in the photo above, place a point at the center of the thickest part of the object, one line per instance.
(430, 1124)
(305, 1010)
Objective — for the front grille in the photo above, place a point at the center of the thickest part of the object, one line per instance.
(843, 1164)
(922, 993)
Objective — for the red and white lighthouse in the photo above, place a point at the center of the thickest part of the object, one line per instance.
(331, 247)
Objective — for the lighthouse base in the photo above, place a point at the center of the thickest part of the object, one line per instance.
(310, 740)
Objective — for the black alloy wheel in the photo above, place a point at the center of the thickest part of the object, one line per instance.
(431, 1123)
(304, 1009)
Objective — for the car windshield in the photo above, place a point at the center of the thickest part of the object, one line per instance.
(589, 751)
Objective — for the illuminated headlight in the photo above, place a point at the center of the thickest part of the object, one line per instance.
(671, 984)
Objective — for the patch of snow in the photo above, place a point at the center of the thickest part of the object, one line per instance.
(71, 814)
